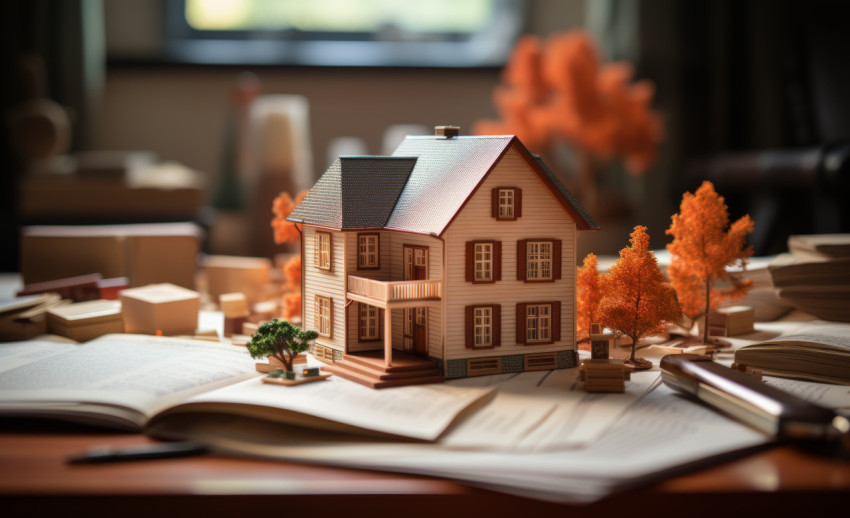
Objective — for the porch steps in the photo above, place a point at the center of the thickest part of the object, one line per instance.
(369, 369)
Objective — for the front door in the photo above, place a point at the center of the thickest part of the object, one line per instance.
(416, 319)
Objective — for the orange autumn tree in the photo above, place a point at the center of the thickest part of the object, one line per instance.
(637, 300)
(704, 244)
(587, 297)
(284, 232)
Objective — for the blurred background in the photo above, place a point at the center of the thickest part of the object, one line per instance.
(124, 111)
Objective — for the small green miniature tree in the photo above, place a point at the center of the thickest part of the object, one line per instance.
(280, 339)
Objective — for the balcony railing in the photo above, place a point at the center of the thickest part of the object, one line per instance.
(395, 291)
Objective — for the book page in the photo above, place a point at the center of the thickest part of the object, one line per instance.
(818, 333)
(419, 412)
(16, 354)
(138, 372)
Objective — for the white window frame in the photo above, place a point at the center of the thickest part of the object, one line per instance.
(483, 262)
(482, 326)
(538, 323)
(507, 203)
(539, 260)
(323, 319)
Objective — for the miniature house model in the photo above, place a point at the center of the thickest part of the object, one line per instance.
(455, 256)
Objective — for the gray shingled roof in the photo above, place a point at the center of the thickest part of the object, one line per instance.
(355, 192)
(420, 188)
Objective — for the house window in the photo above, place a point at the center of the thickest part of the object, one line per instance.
(483, 326)
(367, 251)
(322, 258)
(483, 261)
(369, 325)
(483, 323)
(538, 323)
(539, 262)
(507, 203)
(323, 317)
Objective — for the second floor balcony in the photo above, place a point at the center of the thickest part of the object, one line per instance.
(394, 294)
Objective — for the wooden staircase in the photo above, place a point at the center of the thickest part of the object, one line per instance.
(368, 369)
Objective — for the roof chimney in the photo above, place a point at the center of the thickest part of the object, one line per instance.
(447, 131)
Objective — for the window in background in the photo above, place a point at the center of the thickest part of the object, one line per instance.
(444, 33)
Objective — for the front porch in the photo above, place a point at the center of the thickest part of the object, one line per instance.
(370, 369)
(390, 295)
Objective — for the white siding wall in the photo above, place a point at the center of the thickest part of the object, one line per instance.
(542, 216)
(325, 283)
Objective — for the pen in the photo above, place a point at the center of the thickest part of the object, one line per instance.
(159, 450)
(773, 411)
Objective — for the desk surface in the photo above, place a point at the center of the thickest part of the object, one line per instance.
(34, 480)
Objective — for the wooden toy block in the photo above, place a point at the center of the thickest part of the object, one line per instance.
(110, 288)
(160, 307)
(233, 325)
(233, 304)
(148, 253)
(79, 289)
(25, 318)
(273, 363)
(604, 375)
(249, 328)
(731, 321)
(229, 274)
(85, 321)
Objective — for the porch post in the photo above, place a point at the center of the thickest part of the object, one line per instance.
(388, 338)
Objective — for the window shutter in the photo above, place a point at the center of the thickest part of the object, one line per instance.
(330, 318)
(518, 202)
(556, 321)
(497, 325)
(470, 261)
(469, 326)
(521, 259)
(520, 323)
(497, 260)
(556, 259)
(494, 203)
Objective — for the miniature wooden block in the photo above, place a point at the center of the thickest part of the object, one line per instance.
(84, 321)
(233, 325)
(731, 321)
(160, 307)
(604, 375)
(229, 274)
(79, 288)
(249, 328)
(147, 253)
(273, 363)
(233, 304)
(601, 343)
(265, 311)
(296, 381)
(110, 288)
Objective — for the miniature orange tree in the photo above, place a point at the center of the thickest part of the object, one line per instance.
(284, 232)
(560, 91)
(637, 300)
(704, 244)
(588, 297)
(281, 340)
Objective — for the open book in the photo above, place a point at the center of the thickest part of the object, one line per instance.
(818, 351)
(133, 381)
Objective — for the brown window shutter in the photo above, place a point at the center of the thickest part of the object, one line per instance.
(470, 261)
(520, 323)
(469, 326)
(521, 259)
(497, 260)
(518, 203)
(556, 321)
(556, 259)
(497, 325)
(494, 203)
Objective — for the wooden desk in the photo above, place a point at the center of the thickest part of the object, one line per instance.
(35, 481)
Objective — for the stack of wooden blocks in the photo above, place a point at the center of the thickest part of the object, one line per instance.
(604, 375)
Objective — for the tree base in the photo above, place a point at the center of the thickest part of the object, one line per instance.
(639, 364)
